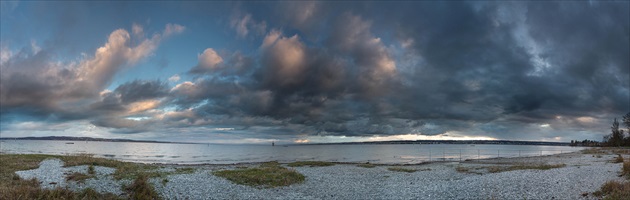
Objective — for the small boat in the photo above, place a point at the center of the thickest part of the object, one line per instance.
(69, 142)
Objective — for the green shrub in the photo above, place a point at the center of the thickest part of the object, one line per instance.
(267, 175)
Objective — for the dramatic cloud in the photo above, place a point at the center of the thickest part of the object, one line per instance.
(299, 71)
(209, 61)
(286, 59)
(37, 82)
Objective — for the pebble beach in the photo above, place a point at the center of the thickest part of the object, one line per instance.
(582, 174)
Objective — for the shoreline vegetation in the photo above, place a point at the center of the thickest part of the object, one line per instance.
(260, 175)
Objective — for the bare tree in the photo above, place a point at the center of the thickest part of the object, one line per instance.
(616, 137)
(626, 120)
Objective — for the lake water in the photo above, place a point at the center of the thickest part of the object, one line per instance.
(229, 154)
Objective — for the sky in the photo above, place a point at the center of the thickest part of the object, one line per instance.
(307, 71)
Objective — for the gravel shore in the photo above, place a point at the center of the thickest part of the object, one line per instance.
(583, 173)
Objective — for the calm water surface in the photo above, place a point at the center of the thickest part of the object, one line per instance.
(228, 154)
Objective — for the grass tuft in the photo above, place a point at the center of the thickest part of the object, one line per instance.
(618, 159)
(366, 165)
(594, 151)
(141, 189)
(268, 175)
(613, 190)
(91, 169)
(79, 177)
(625, 170)
(310, 164)
(497, 169)
(461, 169)
(400, 169)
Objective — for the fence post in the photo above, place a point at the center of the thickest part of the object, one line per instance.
(429, 155)
(460, 155)
(498, 153)
(443, 155)
(519, 153)
(478, 155)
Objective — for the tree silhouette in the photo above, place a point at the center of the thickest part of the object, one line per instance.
(616, 137)
(626, 120)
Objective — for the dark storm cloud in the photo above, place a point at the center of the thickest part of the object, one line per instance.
(117, 101)
(482, 67)
(141, 90)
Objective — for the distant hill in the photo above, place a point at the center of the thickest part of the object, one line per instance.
(68, 138)
(506, 142)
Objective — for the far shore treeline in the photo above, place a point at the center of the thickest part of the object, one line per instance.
(616, 138)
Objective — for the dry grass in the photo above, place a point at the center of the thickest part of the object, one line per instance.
(366, 165)
(124, 170)
(607, 150)
(621, 151)
(625, 170)
(400, 169)
(91, 169)
(618, 159)
(497, 169)
(268, 175)
(614, 190)
(79, 177)
(310, 164)
(141, 189)
(12, 187)
(594, 151)
(185, 170)
(462, 169)
(469, 170)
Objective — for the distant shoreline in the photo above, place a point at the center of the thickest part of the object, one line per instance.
(90, 139)
(472, 142)
(468, 142)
